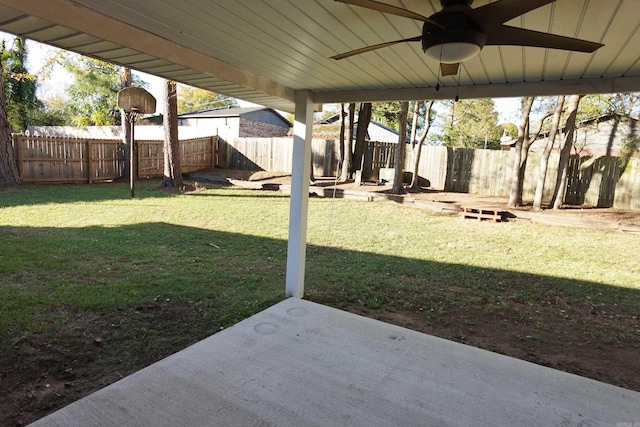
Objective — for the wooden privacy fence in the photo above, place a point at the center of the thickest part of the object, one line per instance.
(276, 154)
(50, 159)
(599, 181)
(195, 154)
(602, 182)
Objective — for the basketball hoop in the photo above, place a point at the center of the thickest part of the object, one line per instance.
(134, 101)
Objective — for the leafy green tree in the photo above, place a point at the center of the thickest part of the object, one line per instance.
(622, 104)
(92, 94)
(52, 112)
(510, 129)
(22, 104)
(92, 97)
(195, 99)
(472, 123)
(386, 113)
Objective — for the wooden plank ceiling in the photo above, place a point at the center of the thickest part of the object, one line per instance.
(264, 50)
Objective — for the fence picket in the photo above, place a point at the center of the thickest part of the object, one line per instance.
(600, 182)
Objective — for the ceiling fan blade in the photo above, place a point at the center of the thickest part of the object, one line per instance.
(494, 14)
(512, 36)
(374, 47)
(393, 10)
(449, 69)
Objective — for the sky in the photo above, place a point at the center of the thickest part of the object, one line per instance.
(508, 108)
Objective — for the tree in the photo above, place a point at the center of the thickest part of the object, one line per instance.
(473, 123)
(623, 106)
(52, 112)
(92, 95)
(386, 113)
(364, 117)
(9, 174)
(125, 82)
(20, 87)
(347, 142)
(521, 151)
(544, 159)
(172, 173)
(341, 169)
(563, 165)
(195, 99)
(420, 142)
(401, 149)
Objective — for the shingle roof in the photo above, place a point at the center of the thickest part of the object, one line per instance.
(222, 112)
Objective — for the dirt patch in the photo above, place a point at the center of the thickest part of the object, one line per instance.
(580, 342)
(232, 174)
(85, 352)
(453, 200)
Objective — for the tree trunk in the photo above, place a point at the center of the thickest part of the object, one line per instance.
(125, 81)
(525, 139)
(414, 123)
(364, 117)
(565, 154)
(9, 174)
(415, 180)
(343, 115)
(401, 149)
(515, 194)
(544, 160)
(346, 162)
(172, 173)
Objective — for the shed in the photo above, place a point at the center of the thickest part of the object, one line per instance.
(230, 123)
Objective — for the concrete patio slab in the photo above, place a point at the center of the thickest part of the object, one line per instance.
(303, 364)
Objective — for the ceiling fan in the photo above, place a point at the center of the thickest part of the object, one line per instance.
(458, 32)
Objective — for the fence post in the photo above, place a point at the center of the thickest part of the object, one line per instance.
(90, 162)
(213, 152)
(16, 145)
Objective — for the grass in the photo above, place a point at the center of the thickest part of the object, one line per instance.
(96, 285)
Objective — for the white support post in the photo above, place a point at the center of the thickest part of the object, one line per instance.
(296, 252)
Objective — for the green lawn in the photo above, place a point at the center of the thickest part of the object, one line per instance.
(96, 285)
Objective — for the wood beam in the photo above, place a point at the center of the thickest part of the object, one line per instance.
(503, 90)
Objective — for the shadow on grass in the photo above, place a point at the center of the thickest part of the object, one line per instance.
(150, 289)
(28, 194)
(31, 194)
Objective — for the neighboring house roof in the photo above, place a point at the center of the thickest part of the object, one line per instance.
(605, 138)
(375, 132)
(250, 113)
(595, 120)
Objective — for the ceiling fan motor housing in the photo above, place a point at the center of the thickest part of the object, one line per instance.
(449, 3)
(460, 31)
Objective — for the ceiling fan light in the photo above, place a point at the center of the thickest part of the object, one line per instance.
(454, 52)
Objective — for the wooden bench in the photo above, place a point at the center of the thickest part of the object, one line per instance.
(481, 213)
